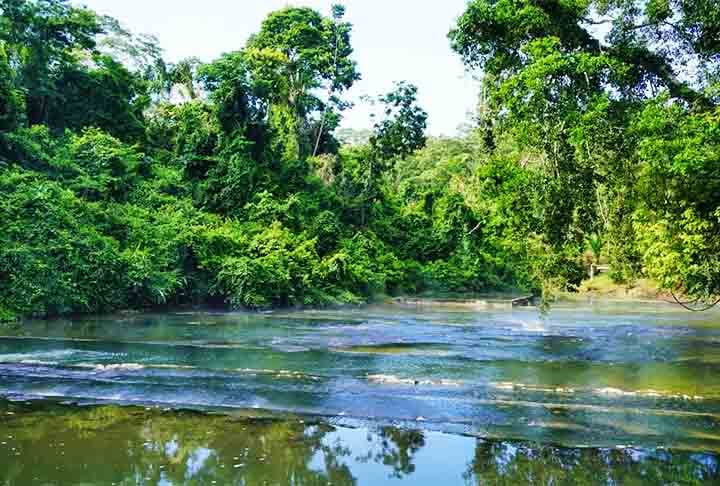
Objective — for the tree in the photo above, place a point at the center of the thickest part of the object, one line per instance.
(42, 36)
(99, 93)
(398, 134)
(338, 12)
(10, 98)
(185, 75)
(570, 97)
(233, 91)
(678, 217)
(295, 52)
(140, 54)
(402, 130)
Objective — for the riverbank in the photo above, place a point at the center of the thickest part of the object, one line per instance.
(602, 286)
(599, 289)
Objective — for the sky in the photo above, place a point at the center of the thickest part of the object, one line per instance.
(393, 40)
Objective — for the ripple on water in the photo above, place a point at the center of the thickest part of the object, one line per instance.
(577, 375)
(397, 348)
(396, 380)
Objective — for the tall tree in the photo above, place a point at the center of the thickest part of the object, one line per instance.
(399, 133)
(402, 129)
(41, 37)
(570, 95)
(10, 98)
(295, 52)
(102, 93)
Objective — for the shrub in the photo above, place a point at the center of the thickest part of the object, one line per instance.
(52, 259)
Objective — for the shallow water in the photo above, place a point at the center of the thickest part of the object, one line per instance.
(49, 444)
(634, 375)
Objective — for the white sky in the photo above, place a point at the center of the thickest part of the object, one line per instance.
(393, 40)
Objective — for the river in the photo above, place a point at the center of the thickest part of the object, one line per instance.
(471, 393)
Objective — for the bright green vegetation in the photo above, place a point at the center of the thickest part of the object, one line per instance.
(110, 445)
(128, 182)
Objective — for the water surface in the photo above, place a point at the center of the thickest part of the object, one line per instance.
(47, 444)
(612, 377)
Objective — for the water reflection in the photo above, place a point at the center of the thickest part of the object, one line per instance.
(646, 376)
(395, 448)
(582, 376)
(51, 444)
(505, 463)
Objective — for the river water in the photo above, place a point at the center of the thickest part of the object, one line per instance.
(475, 391)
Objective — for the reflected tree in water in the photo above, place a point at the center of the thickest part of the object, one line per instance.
(115, 445)
(48, 444)
(395, 448)
(503, 463)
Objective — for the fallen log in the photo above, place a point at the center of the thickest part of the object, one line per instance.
(523, 301)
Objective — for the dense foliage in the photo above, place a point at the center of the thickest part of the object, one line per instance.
(128, 182)
(611, 108)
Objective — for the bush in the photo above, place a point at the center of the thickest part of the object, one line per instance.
(52, 259)
(106, 167)
(157, 251)
(275, 267)
(363, 264)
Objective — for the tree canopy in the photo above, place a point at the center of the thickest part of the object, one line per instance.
(602, 95)
(127, 181)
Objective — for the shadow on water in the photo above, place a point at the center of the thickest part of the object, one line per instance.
(45, 443)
